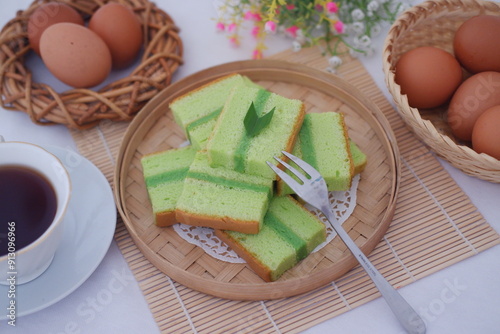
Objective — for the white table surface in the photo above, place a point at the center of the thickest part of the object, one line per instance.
(463, 298)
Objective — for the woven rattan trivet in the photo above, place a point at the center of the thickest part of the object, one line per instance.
(446, 233)
(82, 108)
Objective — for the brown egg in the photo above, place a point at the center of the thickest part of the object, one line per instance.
(486, 134)
(476, 94)
(120, 28)
(428, 76)
(45, 16)
(75, 55)
(477, 44)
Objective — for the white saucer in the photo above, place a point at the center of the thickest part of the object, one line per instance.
(89, 227)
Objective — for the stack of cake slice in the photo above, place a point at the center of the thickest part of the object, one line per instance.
(164, 173)
(289, 233)
(222, 198)
(324, 143)
(231, 146)
(222, 180)
(197, 111)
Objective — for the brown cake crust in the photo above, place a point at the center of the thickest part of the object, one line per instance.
(261, 270)
(166, 218)
(221, 223)
(348, 149)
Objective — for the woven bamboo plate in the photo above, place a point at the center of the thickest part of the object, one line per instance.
(153, 129)
(433, 23)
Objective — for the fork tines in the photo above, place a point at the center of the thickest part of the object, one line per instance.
(287, 178)
(310, 170)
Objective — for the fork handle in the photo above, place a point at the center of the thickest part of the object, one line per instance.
(406, 315)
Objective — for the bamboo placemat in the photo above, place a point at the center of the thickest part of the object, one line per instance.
(435, 225)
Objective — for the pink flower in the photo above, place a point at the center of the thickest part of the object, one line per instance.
(252, 16)
(234, 42)
(248, 15)
(255, 31)
(220, 26)
(292, 31)
(339, 27)
(270, 26)
(231, 27)
(257, 54)
(290, 7)
(332, 7)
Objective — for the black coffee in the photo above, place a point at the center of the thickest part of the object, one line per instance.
(28, 202)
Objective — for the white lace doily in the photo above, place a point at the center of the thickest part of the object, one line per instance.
(342, 202)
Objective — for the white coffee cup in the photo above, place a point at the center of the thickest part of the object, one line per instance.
(25, 264)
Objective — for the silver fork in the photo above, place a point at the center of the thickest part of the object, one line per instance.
(313, 190)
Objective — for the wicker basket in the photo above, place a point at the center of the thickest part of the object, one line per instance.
(433, 23)
(84, 108)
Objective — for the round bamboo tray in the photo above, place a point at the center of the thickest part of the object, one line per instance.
(154, 129)
(84, 108)
(433, 23)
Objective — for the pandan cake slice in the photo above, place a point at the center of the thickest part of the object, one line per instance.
(164, 174)
(196, 111)
(232, 145)
(323, 142)
(223, 198)
(288, 235)
(358, 158)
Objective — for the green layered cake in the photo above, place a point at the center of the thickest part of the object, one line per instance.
(288, 235)
(323, 142)
(223, 198)
(232, 146)
(358, 158)
(164, 174)
(197, 111)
